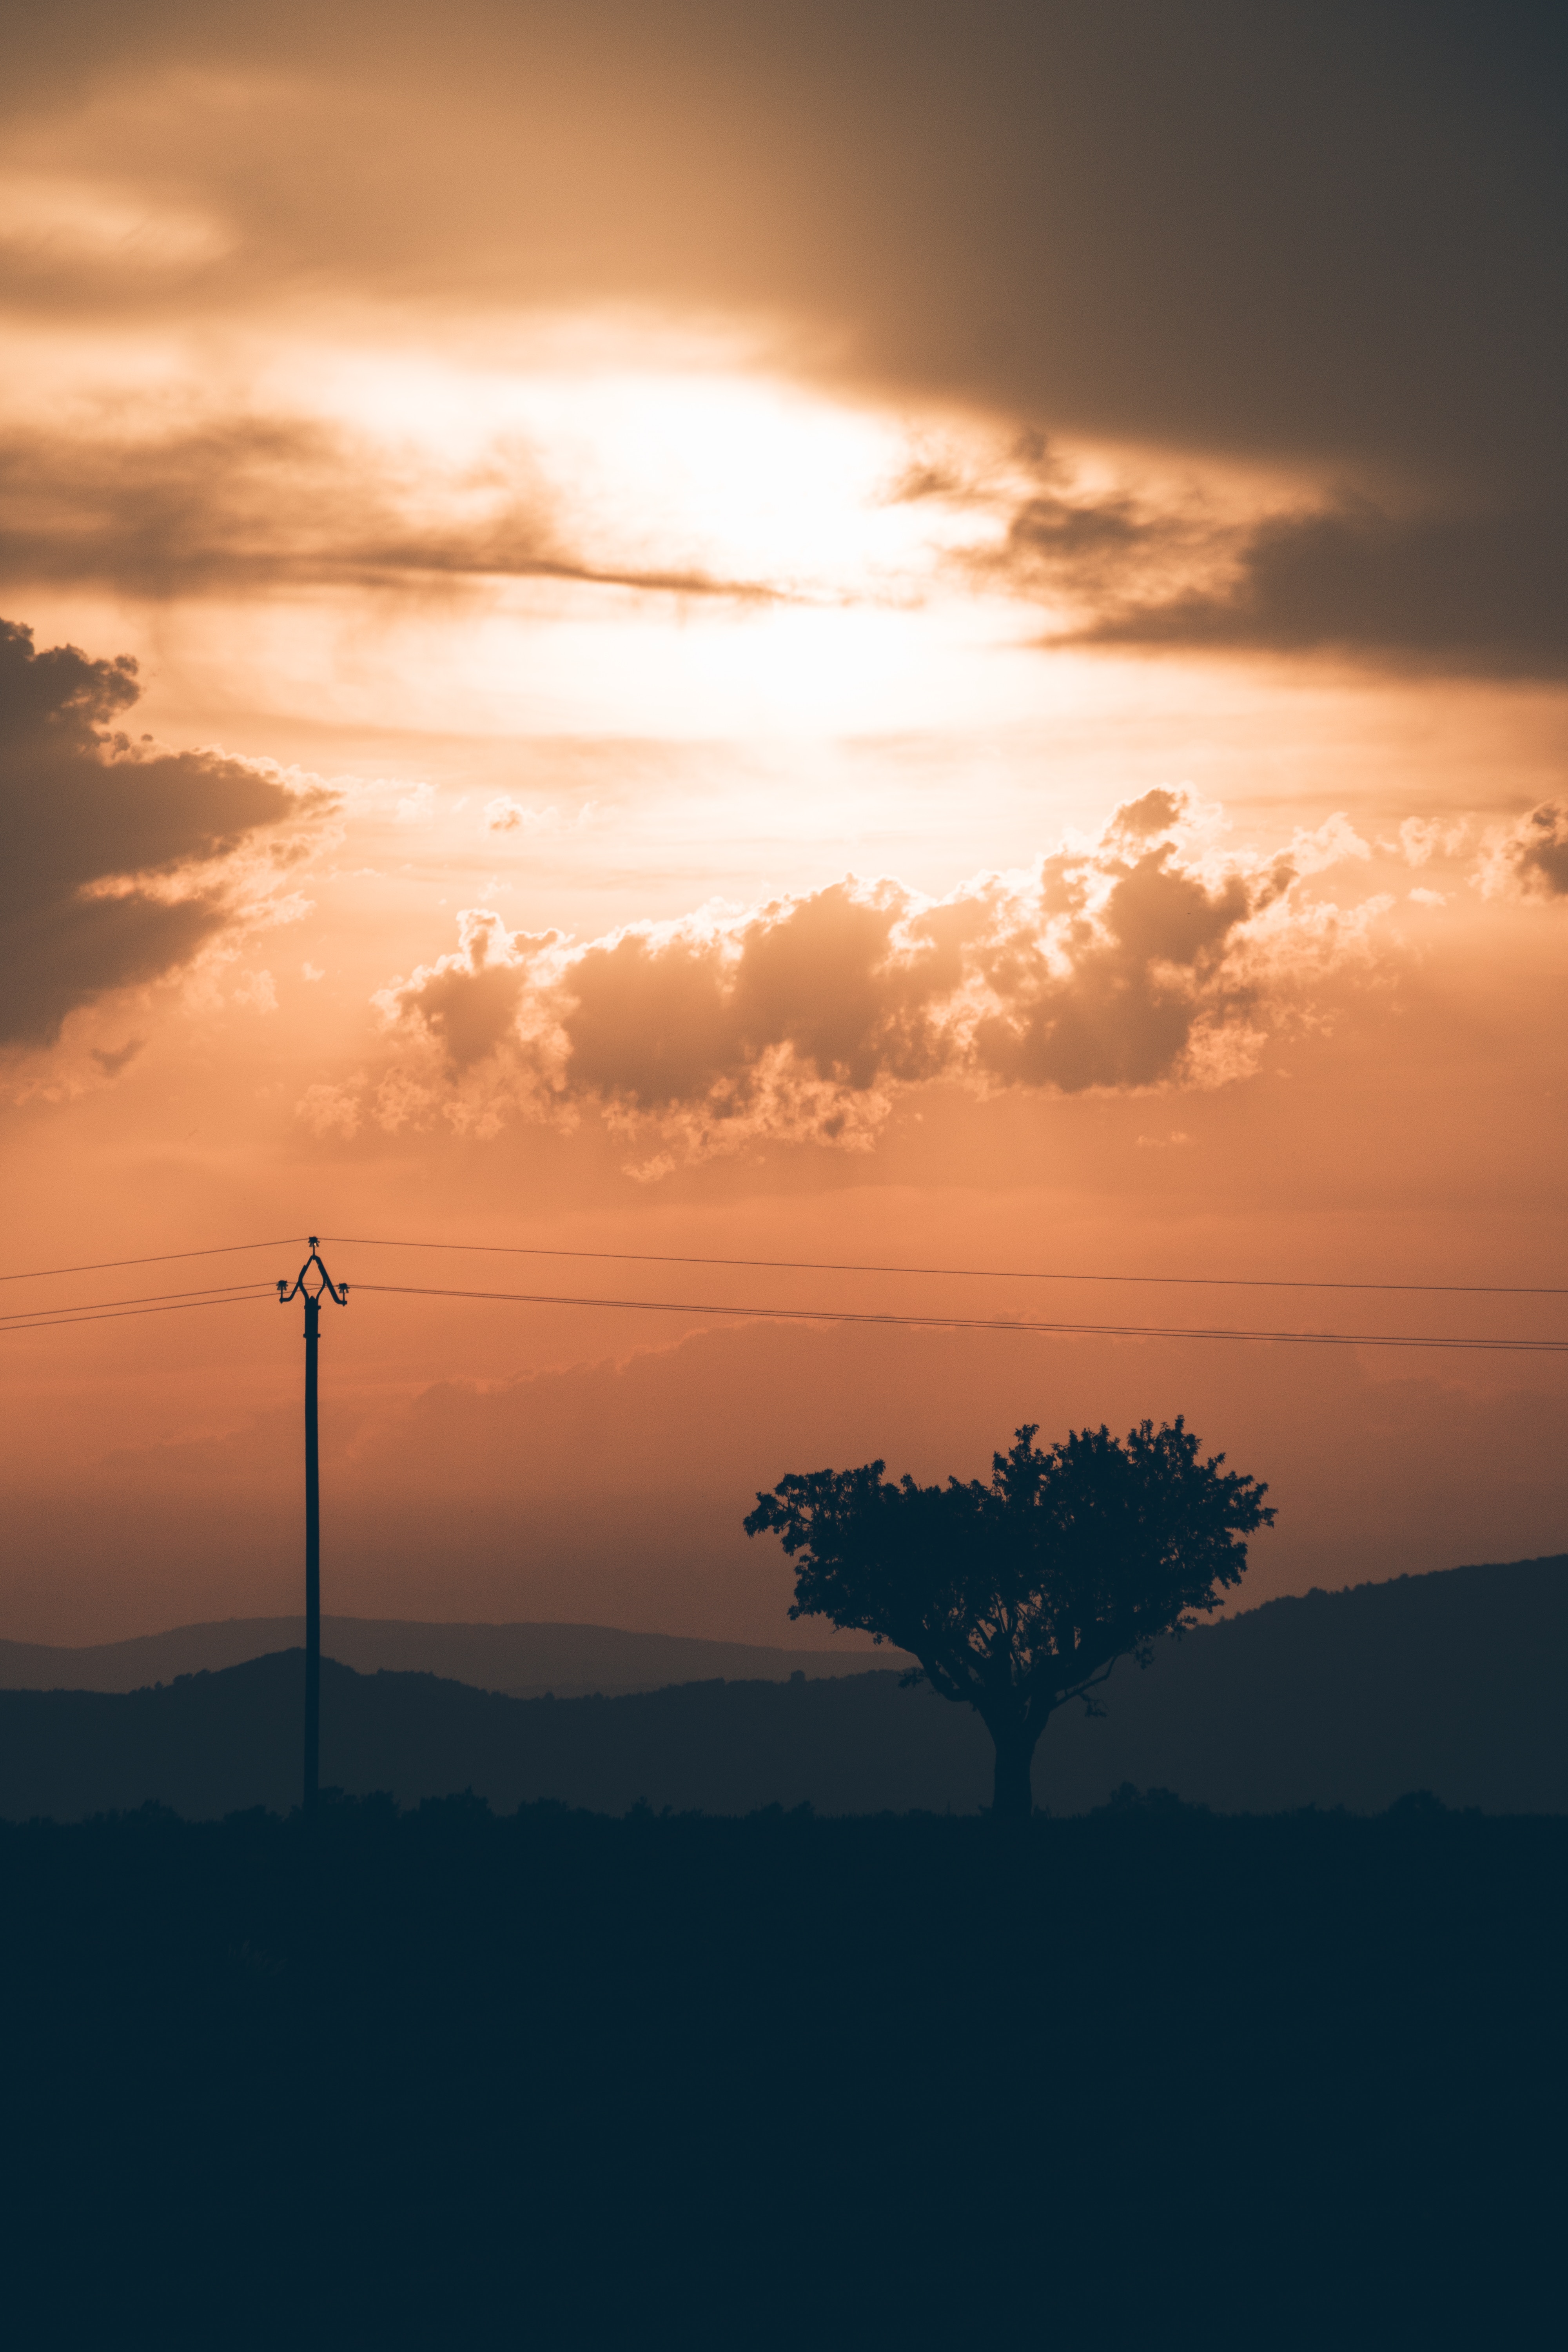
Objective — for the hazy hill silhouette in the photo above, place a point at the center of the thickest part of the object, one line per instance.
(525, 1659)
(1446, 1682)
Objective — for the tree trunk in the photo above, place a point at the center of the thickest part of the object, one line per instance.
(1013, 1795)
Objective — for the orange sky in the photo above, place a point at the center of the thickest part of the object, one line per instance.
(827, 634)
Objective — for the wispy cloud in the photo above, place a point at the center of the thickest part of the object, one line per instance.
(273, 501)
(111, 1061)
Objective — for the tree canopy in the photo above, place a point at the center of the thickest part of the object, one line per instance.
(1018, 1594)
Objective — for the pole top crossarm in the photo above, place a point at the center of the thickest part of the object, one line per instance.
(325, 1288)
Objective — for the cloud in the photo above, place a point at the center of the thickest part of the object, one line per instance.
(1109, 995)
(259, 990)
(1487, 593)
(1138, 961)
(331, 1111)
(1531, 860)
(120, 1059)
(1146, 819)
(50, 223)
(275, 502)
(1328, 239)
(1087, 550)
(1471, 586)
(1332, 842)
(504, 814)
(468, 1004)
(1423, 838)
(117, 863)
(1329, 229)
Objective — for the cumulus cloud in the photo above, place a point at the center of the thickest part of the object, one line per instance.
(468, 1002)
(1138, 961)
(117, 859)
(1532, 859)
(1148, 818)
(1330, 844)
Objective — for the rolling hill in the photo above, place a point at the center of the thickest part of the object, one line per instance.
(522, 1659)
(1448, 1682)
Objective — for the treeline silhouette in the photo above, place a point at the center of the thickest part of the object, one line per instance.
(1150, 2076)
(1448, 1682)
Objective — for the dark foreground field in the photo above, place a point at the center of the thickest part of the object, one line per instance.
(1151, 2077)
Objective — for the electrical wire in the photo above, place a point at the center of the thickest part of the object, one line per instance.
(164, 1257)
(823, 1266)
(149, 1298)
(987, 1272)
(981, 1323)
(106, 1310)
(124, 1314)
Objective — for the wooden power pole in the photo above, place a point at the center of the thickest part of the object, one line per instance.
(339, 1293)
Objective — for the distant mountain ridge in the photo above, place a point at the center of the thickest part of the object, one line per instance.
(1450, 1683)
(521, 1659)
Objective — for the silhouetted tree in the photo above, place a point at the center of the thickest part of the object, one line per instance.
(1022, 1594)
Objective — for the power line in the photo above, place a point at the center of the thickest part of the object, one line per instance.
(123, 1314)
(164, 1257)
(988, 1272)
(829, 1266)
(149, 1298)
(235, 1295)
(983, 1323)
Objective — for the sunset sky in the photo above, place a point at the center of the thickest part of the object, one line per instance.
(906, 635)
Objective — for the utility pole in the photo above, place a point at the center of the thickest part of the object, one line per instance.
(339, 1294)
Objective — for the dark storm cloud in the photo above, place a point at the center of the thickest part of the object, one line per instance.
(1319, 232)
(1086, 547)
(1483, 593)
(1326, 226)
(275, 502)
(108, 851)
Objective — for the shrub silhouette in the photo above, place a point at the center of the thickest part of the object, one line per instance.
(1018, 1595)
